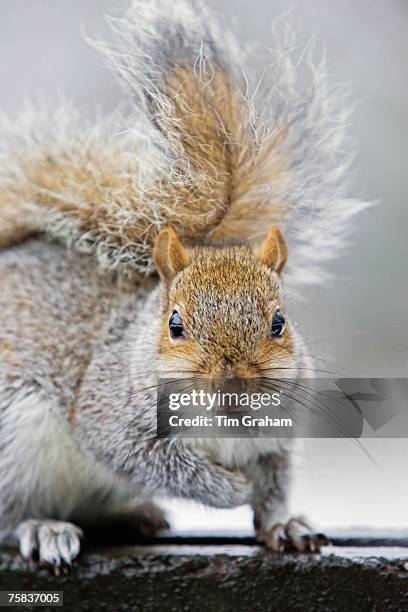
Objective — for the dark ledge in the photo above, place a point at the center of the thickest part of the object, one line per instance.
(225, 573)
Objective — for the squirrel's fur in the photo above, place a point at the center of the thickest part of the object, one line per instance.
(206, 167)
(203, 148)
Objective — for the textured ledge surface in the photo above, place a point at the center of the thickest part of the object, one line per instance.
(224, 574)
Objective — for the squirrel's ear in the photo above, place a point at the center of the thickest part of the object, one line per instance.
(170, 257)
(274, 251)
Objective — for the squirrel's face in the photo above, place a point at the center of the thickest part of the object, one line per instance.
(223, 310)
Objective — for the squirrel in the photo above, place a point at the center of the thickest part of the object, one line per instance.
(182, 213)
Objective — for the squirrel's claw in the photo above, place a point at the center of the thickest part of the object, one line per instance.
(293, 536)
(53, 544)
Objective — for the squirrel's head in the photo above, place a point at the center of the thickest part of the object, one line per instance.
(223, 311)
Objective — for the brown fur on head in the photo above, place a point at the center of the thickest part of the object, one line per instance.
(226, 299)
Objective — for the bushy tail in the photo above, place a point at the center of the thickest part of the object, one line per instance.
(205, 150)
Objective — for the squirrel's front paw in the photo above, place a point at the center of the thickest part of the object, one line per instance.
(54, 544)
(295, 535)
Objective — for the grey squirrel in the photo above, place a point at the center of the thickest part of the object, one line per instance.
(107, 233)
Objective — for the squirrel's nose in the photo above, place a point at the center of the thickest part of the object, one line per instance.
(228, 366)
(236, 368)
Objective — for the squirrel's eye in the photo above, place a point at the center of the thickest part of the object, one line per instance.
(278, 324)
(176, 325)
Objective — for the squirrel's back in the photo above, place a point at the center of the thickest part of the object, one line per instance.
(55, 306)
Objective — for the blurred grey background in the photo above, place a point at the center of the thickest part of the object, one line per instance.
(360, 322)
